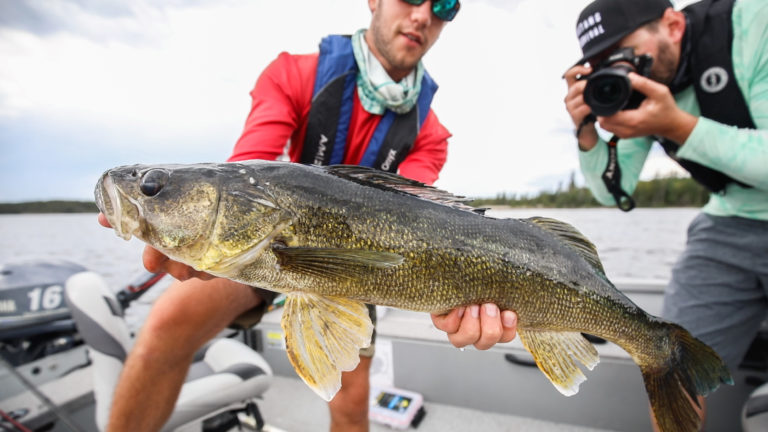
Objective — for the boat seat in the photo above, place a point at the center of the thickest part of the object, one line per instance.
(226, 373)
(754, 415)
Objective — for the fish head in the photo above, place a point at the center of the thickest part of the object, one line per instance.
(204, 215)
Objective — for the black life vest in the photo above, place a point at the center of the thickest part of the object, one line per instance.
(331, 111)
(711, 69)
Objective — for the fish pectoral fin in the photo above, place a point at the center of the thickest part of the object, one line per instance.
(323, 337)
(333, 262)
(556, 353)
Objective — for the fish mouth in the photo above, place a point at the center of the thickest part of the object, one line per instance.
(110, 200)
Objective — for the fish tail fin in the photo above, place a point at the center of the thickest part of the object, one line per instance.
(693, 369)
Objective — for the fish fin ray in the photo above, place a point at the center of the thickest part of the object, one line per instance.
(334, 262)
(693, 369)
(323, 337)
(572, 238)
(394, 182)
(556, 354)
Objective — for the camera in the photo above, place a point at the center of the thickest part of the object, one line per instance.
(608, 89)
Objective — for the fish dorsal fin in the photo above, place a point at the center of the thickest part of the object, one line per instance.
(323, 338)
(397, 183)
(571, 237)
(333, 262)
(556, 353)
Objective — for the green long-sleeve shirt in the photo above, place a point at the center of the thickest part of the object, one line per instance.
(740, 153)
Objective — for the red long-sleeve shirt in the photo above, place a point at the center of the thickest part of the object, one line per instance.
(280, 109)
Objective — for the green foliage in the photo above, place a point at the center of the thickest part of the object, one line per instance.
(671, 191)
(49, 207)
(661, 192)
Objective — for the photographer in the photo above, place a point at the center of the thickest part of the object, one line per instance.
(706, 102)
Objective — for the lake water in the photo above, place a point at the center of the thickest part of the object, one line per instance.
(643, 243)
(74, 237)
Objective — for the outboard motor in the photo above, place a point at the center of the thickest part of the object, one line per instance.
(34, 318)
(58, 320)
(42, 352)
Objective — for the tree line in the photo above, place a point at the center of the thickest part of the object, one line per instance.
(60, 206)
(660, 192)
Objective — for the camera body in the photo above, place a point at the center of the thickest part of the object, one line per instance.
(608, 89)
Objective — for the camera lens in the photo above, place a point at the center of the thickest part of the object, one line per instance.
(607, 91)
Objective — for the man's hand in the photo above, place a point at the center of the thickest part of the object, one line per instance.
(479, 325)
(103, 221)
(657, 115)
(156, 262)
(577, 108)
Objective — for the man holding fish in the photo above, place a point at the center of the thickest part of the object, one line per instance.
(334, 239)
(362, 100)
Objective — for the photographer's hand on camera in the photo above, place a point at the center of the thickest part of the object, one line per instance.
(577, 108)
(658, 114)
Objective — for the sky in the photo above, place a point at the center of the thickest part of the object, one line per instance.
(87, 85)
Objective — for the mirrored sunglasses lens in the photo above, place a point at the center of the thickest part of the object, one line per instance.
(446, 10)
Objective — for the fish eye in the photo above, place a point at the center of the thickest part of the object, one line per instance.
(153, 181)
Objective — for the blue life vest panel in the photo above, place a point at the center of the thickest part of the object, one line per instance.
(331, 111)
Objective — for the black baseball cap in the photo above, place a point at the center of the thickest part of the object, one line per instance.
(605, 22)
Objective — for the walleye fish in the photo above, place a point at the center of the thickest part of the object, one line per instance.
(334, 238)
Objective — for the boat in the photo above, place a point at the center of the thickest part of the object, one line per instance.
(500, 389)
(63, 343)
(504, 380)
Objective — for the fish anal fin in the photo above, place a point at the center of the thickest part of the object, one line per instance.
(333, 262)
(556, 354)
(323, 337)
(572, 238)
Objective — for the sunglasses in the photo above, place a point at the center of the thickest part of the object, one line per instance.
(446, 10)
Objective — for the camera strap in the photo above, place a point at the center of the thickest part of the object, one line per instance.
(612, 178)
(589, 119)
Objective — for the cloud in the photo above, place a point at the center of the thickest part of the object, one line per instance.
(75, 102)
(100, 21)
(506, 5)
(501, 96)
(89, 84)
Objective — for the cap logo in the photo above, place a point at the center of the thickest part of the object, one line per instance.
(589, 28)
(714, 79)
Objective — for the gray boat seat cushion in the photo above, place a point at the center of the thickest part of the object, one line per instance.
(754, 415)
(225, 372)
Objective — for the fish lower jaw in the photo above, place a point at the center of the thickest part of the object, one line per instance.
(124, 229)
(129, 228)
(220, 263)
(111, 202)
(208, 266)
